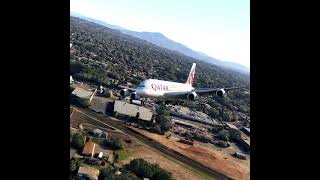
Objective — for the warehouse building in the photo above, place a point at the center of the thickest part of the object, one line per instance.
(131, 110)
(88, 172)
(82, 96)
(231, 127)
(102, 105)
(185, 124)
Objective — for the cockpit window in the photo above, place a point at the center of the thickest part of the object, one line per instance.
(142, 84)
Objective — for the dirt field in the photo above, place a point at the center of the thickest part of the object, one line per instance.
(136, 149)
(214, 159)
(178, 171)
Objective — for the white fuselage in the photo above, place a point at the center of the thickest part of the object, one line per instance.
(153, 88)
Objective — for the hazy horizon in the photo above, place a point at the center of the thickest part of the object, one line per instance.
(209, 28)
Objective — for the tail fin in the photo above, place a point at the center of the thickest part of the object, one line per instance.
(192, 73)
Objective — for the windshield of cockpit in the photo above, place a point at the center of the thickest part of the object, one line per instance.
(142, 85)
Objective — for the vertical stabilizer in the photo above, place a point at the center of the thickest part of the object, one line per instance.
(191, 76)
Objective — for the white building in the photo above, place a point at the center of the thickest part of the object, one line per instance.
(71, 80)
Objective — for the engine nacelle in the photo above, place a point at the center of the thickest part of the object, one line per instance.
(221, 93)
(124, 92)
(193, 96)
(134, 96)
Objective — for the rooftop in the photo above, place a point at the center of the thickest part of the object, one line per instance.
(247, 129)
(184, 123)
(81, 93)
(231, 126)
(104, 99)
(89, 148)
(126, 108)
(89, 171)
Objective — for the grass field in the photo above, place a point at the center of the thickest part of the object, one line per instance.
(121, 155)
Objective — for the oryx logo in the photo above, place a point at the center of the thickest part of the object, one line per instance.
(191, 76)
(159, 87)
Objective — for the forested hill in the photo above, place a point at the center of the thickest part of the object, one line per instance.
(162, 41)
(102, 54)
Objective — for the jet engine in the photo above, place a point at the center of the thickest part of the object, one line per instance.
(124, 92)
(193, 96)
(134, 96)
(221, 93)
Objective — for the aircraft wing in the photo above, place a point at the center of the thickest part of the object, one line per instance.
(201, 91)
(177, 95)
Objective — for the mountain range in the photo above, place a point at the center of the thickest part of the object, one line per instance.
(162, 41)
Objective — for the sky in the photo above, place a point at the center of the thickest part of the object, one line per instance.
(219, 28)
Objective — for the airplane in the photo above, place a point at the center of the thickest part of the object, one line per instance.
(171, 91)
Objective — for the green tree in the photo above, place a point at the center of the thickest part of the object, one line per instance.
(213, 113)
(165, 123)
(78, 140)
(115, 143)
(189, 135)
(227, 116)
(216, 129)
(161, 109)
(235, 135)
(223, 135)
(142, 168)
(75, 67)
(146, 170)
(134, 165)
(163, 175)
(125, 176)
(203, 138)
(235, 116)
(107, 173)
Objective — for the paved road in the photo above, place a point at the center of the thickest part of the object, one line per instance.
(80, 111)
